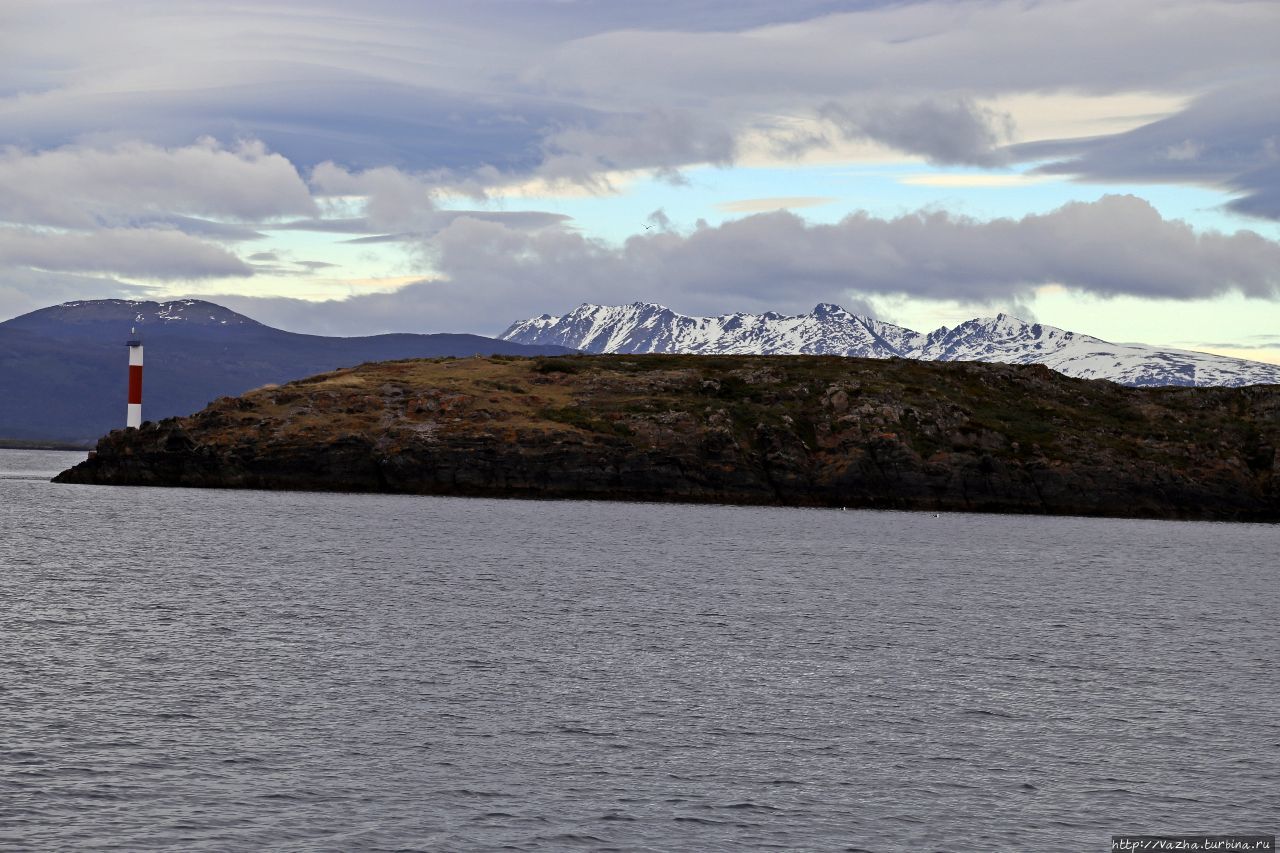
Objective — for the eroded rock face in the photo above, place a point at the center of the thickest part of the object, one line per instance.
(802, 430)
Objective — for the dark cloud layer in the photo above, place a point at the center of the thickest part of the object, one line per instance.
(163, 255)
(435, 220)
(1118, 245)
(585, 17)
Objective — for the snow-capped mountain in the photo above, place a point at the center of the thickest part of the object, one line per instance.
(830, 330)
(643, 327)
(1013, 341)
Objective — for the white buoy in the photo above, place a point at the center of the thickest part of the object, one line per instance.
(134, 417)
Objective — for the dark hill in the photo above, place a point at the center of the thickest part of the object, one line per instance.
(63, 369)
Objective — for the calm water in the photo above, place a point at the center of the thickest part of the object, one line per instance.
(207, 670)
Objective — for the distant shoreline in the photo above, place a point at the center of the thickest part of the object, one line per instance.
(36, 444)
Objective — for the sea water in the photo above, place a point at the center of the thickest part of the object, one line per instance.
(234, 670)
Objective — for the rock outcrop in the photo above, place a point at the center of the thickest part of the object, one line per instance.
(787, 430)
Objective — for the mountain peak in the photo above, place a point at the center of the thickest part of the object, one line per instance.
(1003, 319)
(643, 327)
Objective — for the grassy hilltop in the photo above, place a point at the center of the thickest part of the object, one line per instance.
(793, 430)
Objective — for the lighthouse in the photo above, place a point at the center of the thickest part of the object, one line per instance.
(134, 417)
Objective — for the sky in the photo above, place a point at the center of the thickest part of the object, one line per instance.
(458, 165)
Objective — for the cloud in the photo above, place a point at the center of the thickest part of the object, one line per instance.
(141, 211)
(978, 47)
(358, 121)
(583, 17)
(1229, 137)
(756, 205)
(381, 238)
(489, 92)
(284, 263)
(428, 223)
(23, 289)
(227, 232)
(411, 86)
(663, 139)
(129, 252)
(84, 187)
(349, 225)
(138, 210)
(392, 199)
(915, 76)
(1272, 344)
(951, 130)
(395, 201)
(974, 179)
(491, 275)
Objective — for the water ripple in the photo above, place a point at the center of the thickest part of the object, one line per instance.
(210, 671)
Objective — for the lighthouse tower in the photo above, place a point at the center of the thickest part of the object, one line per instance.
(134, 418)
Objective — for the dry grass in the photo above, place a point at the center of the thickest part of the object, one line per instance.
(929, 407)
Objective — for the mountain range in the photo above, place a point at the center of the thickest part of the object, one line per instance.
(63, 369)
(63, 375)
(643, 327)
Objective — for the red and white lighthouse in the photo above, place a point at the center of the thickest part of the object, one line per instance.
(134, 418)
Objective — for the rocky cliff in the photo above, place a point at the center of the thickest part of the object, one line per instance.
(791, 430)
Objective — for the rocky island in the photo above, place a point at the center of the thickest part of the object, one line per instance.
(782, 430)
